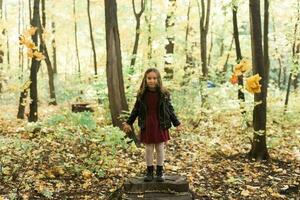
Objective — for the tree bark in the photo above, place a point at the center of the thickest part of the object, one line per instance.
(259, 149)
(137, 31)
(296, 48)
(266, 40)
(76, 40)
(115, 83)
(228, 54)
(7, 39)
(1, 50)
(47, 59)
(239, 57)
(148, 19)
(295, 57)
(91, 36)
(189, 62)
(53, 43)
(170, 23)
(33, 113)
(204, 24)
(278, 56)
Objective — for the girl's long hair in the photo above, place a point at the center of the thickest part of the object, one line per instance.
(143, 87)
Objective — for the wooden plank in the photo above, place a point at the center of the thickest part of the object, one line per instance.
(171, 183)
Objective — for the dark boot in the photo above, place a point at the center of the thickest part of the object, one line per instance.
(149, 175)
(159, 174)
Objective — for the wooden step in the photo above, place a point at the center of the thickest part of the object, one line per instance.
(174, 187)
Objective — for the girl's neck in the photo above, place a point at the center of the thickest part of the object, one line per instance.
(152, 89)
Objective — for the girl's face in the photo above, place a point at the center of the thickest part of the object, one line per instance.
(151, 80)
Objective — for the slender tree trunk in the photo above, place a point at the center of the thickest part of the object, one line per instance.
(239, 57)
(210, 48)
(228, 54)
(7, 39)
(29, 7)
(20, 47)
(47, 59)
(266, 40)
(1, 48)
(53, 43)
(148, 19)
(295, 58)
(137, 31)
(76, 40)
(204, 24)
(91, 36)
(170, 23)
(288, 92)
(296, 48)
(188, 50)
(259, 149)
(35, 64)
(115, 83)
(278, 56)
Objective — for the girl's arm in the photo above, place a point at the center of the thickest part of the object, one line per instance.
(173, 116)
(134, 113)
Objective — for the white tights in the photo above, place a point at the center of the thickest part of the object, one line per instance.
(160, 153)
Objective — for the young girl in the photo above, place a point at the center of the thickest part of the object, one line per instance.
(155, 114)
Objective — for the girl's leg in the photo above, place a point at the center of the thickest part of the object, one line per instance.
(149, 161)
(160, 152)
(159, 148)
(149, 154)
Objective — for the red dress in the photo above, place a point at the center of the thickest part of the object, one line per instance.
(152, 133)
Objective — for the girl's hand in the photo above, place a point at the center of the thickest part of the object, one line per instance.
(126, 127)
(179, 128)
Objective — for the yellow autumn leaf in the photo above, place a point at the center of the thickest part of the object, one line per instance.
(30, 44)
(22, 39)
(38, 55)
(252, 84)
(245, 193)
(30, 53)
(26, 85)
(242, 67)
(87, 174)
(31, 31)
(58, 170)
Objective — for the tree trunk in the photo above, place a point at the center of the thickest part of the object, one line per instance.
(259, 149)
(170, 23)
(137, 31)
(7, 39)
(115, 83)
(210, 48)
(189, 62)
(76, 40)
(1, 48)
(204, 24)
(33, 114)
(20, 46)
(266, 40)
(53, 43)
(47, 59)
(295, 57)
(91, 36)
(148, 19)
(228, 54)
(277, 55)
(239, 57)
(296, 48)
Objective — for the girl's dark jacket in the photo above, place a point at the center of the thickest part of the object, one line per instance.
(166, 113)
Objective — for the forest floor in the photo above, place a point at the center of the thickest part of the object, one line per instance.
(80, 156)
